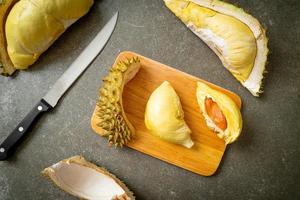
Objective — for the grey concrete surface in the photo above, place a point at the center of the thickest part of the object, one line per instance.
(262, 164)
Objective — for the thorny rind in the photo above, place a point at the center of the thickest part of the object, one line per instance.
(2, 69)
(110, 107)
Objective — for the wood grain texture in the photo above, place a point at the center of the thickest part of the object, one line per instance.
(206, 154)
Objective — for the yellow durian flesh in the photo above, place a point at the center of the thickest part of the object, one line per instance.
(229, 109)
(164, 116)
(235, 36)
(33, 25)
(6, 66)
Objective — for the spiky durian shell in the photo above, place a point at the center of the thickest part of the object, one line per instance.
(113, 121)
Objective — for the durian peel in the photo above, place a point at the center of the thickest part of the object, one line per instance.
(228, 107)
(112, 119)
(238, 39)
(28, 28)
(85, 180)
(164, 116)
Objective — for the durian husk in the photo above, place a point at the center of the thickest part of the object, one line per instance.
(50, 174)
(6, 66)
(253, 82)
(113, 122)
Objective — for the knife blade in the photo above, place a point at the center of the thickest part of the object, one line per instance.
(52, 97)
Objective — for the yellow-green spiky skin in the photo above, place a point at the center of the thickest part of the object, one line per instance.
(113, 121)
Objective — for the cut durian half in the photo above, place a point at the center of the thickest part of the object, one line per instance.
(237, 38)
(221, 113)
(29, 28)
(113, 121)
(6, 66)
(85, 180)
(164, 116)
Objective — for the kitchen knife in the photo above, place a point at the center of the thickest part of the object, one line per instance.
(50, 100)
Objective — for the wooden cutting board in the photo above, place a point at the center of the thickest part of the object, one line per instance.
(206, 154)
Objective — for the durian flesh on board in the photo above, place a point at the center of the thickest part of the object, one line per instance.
(164, 116)
(237, 38)
(205, 155)
(221, 113)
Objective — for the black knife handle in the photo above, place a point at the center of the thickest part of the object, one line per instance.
(9, 144)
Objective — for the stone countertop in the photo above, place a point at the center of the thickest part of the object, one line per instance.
(262, 164)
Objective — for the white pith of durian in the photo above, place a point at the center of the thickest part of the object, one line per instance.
(227, 106)
(164, 116)
(252, 73)
(85, 180)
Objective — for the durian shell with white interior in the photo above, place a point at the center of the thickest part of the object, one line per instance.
(164, 116)
(236, 37)
(85, 180)
(229, 109)
(29, 28)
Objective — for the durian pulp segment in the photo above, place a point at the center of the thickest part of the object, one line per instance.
(235, 36)
(113, 120)
(6, 66)
(227, 106)
(32, 26)
(164, 116)
(85, 180)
